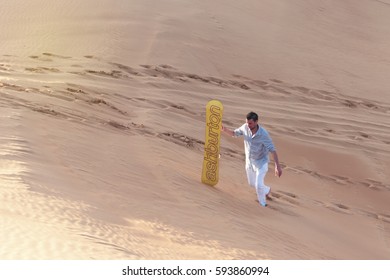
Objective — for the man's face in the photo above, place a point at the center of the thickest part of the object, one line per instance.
(251, 124)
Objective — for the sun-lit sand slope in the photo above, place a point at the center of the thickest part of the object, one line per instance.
(102, 110)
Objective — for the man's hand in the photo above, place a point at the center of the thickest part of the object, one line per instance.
(278, 170)
(227, 130)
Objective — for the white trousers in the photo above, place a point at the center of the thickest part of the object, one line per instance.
(256, 180)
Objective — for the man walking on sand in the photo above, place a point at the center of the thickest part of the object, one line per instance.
(258, 144)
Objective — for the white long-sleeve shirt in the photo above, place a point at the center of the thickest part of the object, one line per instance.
(257, 146)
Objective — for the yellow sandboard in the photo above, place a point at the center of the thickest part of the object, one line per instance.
(214, 110)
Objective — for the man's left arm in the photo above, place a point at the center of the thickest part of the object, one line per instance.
(278, 168)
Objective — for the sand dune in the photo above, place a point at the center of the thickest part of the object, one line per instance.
(102, 120)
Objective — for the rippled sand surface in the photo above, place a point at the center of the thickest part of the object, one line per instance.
(102, 111)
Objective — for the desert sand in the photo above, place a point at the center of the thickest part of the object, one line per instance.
(102, 113)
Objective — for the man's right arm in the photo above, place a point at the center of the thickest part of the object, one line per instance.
(227, 130)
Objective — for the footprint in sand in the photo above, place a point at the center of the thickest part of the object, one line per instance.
(42, 70)
(285, 196)
(282, 210)
(181, 140)
(56, 55)
(336, 207)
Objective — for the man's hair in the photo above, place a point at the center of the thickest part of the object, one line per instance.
(252, 116)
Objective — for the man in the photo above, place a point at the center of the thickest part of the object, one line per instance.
(258, 144)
